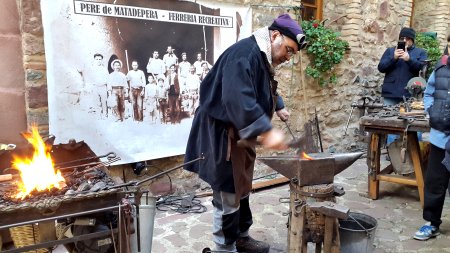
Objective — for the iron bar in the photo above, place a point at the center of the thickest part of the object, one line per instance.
(169, 170)
(61, 216)
(290, 131)
(61, 241)
(109, 155)
(318, 130)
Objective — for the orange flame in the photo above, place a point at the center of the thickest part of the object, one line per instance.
(306, 156)
(39, 172)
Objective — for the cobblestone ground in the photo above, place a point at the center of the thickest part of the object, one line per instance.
(397, 211)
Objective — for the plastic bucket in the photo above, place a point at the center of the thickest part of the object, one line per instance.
(357, 233)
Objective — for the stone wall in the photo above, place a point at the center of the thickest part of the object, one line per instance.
(433, 16)
(12, 90)
(369, 26)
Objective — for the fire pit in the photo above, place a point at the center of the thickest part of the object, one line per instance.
(77, 183)
(313, 213)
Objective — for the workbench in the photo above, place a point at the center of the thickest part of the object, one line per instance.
(380, 126)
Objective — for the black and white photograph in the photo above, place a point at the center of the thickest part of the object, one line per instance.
(132, 67)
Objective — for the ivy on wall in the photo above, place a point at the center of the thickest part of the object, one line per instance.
(325, 50)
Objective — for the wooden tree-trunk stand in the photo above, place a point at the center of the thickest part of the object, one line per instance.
(306, 225)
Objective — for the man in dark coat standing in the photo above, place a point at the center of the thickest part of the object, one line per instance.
(237, 100)
(400, 66)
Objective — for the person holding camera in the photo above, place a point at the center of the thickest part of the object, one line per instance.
(400, 64)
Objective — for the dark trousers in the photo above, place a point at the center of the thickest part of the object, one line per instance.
(174, 107)
(230, 220)
(436, 183)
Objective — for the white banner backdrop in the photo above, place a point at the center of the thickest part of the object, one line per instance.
(110, 77)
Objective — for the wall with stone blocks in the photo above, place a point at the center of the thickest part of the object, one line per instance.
(433, 16)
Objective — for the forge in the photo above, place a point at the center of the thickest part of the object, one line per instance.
(313, 212)
(86, 189)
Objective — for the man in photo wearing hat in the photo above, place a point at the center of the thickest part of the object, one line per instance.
(237, 101)
(436, 103)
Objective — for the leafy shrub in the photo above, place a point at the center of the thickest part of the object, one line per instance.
(325, 49)
(431, 45)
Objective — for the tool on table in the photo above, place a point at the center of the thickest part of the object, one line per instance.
(365, 104)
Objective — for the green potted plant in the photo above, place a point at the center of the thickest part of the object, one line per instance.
(325, 50)
(430, 44)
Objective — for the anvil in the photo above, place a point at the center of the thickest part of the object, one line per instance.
(319, 169)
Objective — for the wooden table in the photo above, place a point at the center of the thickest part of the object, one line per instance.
(379, 126)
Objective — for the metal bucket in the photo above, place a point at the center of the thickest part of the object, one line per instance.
(357, 233)
(147, 210)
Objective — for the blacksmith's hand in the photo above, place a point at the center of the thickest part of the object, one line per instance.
(283, 114)
(273, 139)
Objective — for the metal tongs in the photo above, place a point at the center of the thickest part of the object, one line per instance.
(137, 183)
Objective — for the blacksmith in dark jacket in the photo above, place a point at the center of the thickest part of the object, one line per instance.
(237, 100)
(400, 66)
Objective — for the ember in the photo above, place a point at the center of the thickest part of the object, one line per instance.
(306, 156)
(38, 173)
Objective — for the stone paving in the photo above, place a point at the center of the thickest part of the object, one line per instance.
(397, 211)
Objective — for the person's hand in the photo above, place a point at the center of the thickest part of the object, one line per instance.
(273, 139)
(405, 55)
(398, 53)
(283, 114)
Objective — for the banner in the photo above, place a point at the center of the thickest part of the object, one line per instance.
(124, 75)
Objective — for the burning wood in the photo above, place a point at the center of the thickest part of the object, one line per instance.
(42, 176)
(37, 174)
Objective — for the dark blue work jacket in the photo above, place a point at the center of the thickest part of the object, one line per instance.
(398, 72)
(237, 101)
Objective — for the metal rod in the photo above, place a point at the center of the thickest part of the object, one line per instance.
(62, 241)
(290, 131)
(318, 130)
(169, 170)
(61, 216)
(348, 120)
(109, 155)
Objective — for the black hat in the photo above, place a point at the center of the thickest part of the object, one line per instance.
(407, 32)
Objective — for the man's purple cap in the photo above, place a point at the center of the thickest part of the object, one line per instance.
(288, 27)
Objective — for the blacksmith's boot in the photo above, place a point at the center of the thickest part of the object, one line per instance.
(250, 245)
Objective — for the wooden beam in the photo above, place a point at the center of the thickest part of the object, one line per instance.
(255, 186)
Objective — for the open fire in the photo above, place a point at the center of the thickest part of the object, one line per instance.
(37, 173)
(306, 156)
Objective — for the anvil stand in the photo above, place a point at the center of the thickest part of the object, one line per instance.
(313, 213)
(313, 217)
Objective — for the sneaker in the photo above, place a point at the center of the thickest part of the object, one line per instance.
(426, 232)
(250, 245)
